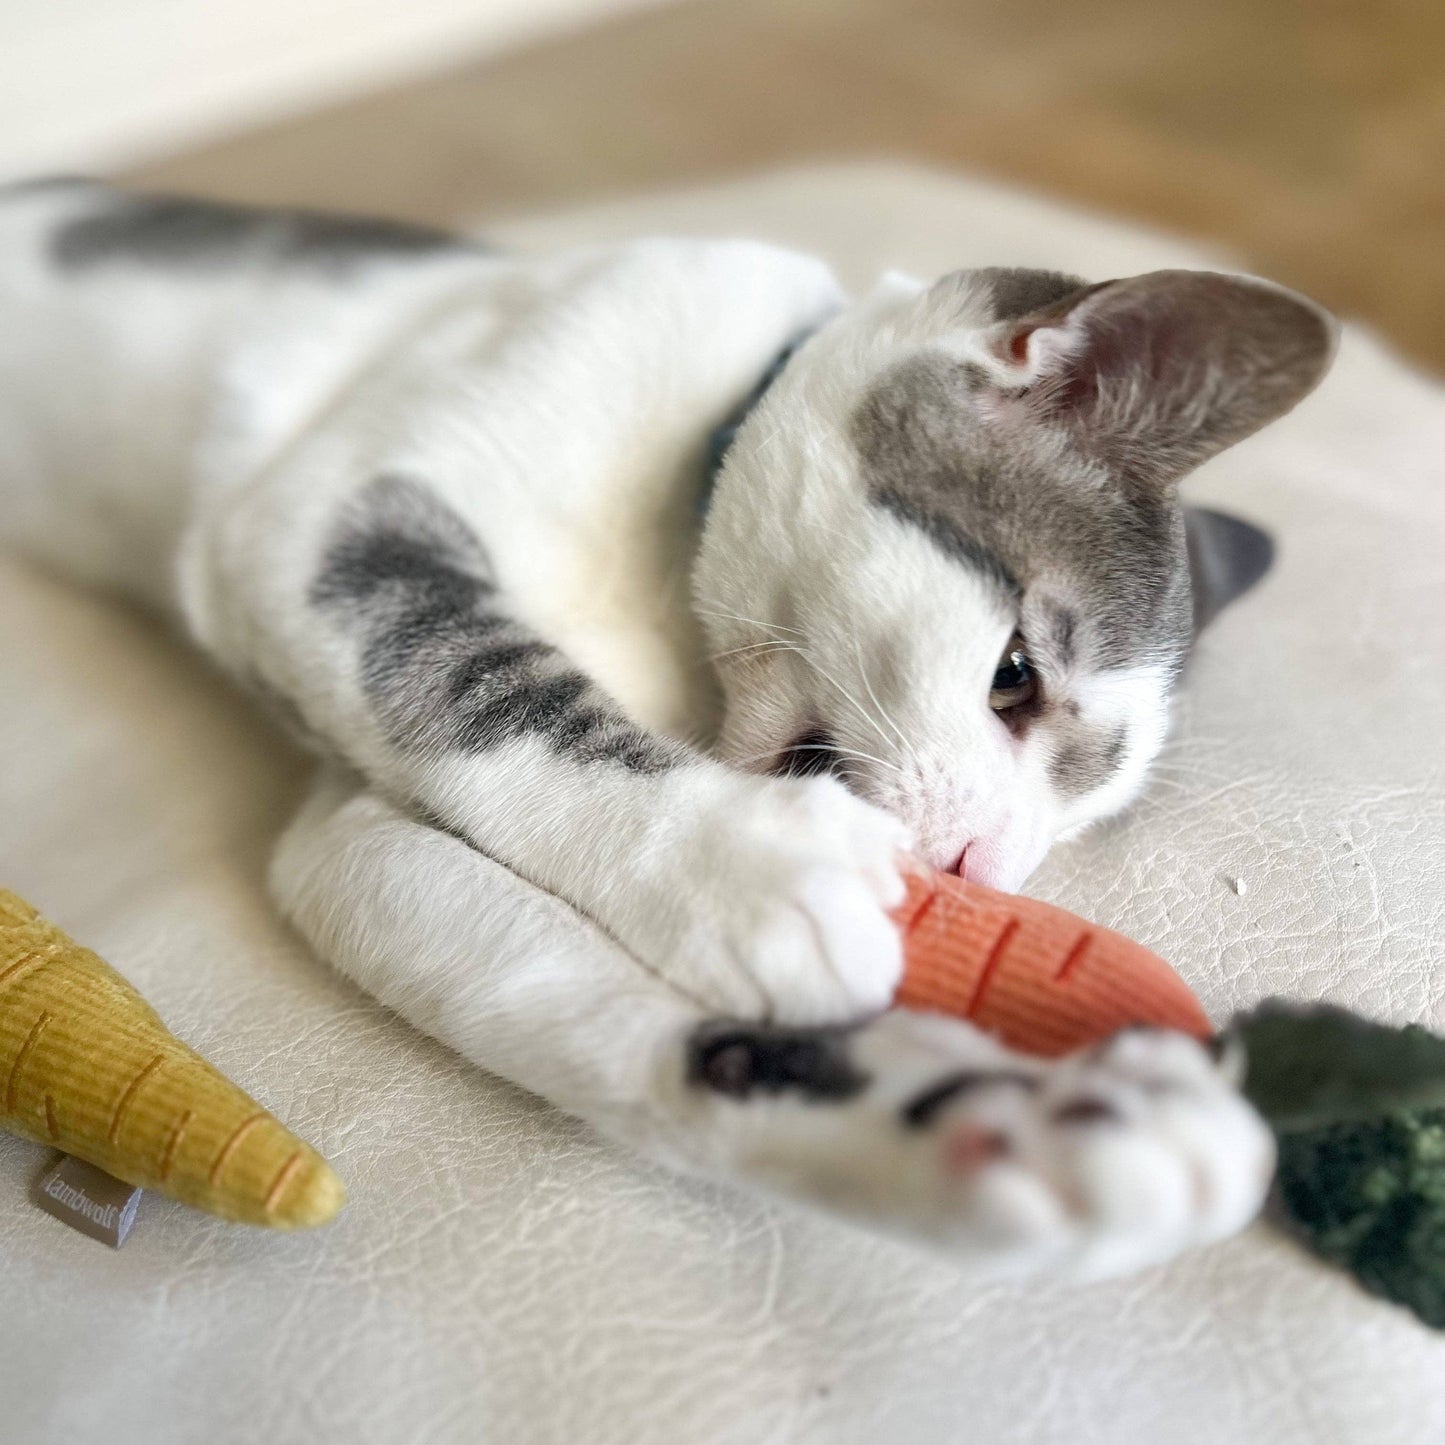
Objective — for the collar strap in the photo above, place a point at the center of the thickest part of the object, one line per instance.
(720, 440)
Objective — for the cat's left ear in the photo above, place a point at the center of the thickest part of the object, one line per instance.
(1153, 375)
(1227, 556)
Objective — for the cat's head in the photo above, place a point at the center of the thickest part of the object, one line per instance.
(946, 554)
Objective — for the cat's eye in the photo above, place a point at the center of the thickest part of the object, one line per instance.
(1014, 683)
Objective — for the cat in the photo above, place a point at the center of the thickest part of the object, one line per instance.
(645, 604)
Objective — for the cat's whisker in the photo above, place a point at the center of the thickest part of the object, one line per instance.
(882, 711)
(859, 754)
(738, 617)
(776, 644)
(847, 696)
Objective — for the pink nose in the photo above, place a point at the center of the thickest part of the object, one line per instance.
(957, 865)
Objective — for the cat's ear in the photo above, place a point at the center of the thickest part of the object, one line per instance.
(1227, 556)
(1155, 374)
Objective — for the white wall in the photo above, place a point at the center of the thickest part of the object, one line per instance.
(86, 84)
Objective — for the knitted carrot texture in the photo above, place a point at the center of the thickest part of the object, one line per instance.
(1041, 979)
(86, 1065)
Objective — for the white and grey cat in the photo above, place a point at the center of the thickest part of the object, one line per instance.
(616, 783)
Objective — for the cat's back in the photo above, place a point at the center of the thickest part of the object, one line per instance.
(155, 351)
(150, 346)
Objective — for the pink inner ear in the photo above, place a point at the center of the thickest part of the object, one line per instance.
(1018, 347)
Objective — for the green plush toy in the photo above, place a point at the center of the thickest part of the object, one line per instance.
(1358, 1109)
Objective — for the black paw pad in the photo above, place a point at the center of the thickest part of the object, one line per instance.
(736, 1059)
(921, 1111)
(1086, 1110)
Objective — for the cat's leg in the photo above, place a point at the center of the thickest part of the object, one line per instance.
(922, 1126)
(393, 636)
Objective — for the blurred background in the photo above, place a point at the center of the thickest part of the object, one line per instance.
(1305, 136)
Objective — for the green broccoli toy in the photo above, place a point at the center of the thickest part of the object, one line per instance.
(1358, 1109)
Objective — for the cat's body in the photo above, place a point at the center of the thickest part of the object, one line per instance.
(441, 509)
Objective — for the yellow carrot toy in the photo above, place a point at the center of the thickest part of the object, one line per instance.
(86, 1065)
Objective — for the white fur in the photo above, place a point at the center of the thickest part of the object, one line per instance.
(191, 437)
(513, 978)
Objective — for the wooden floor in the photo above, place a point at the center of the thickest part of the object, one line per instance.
(1307, 135)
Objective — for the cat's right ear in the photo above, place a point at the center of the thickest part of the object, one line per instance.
(1153, 375)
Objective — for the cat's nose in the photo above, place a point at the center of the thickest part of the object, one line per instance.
(957, 865)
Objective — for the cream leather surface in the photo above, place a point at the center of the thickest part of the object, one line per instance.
(500, 1276)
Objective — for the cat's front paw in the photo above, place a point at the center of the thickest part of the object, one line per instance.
(1116, 1158)
(776, 906)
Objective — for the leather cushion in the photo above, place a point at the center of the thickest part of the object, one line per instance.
(502, 1276)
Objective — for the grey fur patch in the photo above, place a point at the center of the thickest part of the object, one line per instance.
(1007, 506)
(445, 667)
(1053, 634)
(182, 233)
(1085, 757)
(951, 537)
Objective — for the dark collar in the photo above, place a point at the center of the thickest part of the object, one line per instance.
(720, 441)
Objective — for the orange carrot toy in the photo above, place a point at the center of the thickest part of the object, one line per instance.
(1040, 978)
